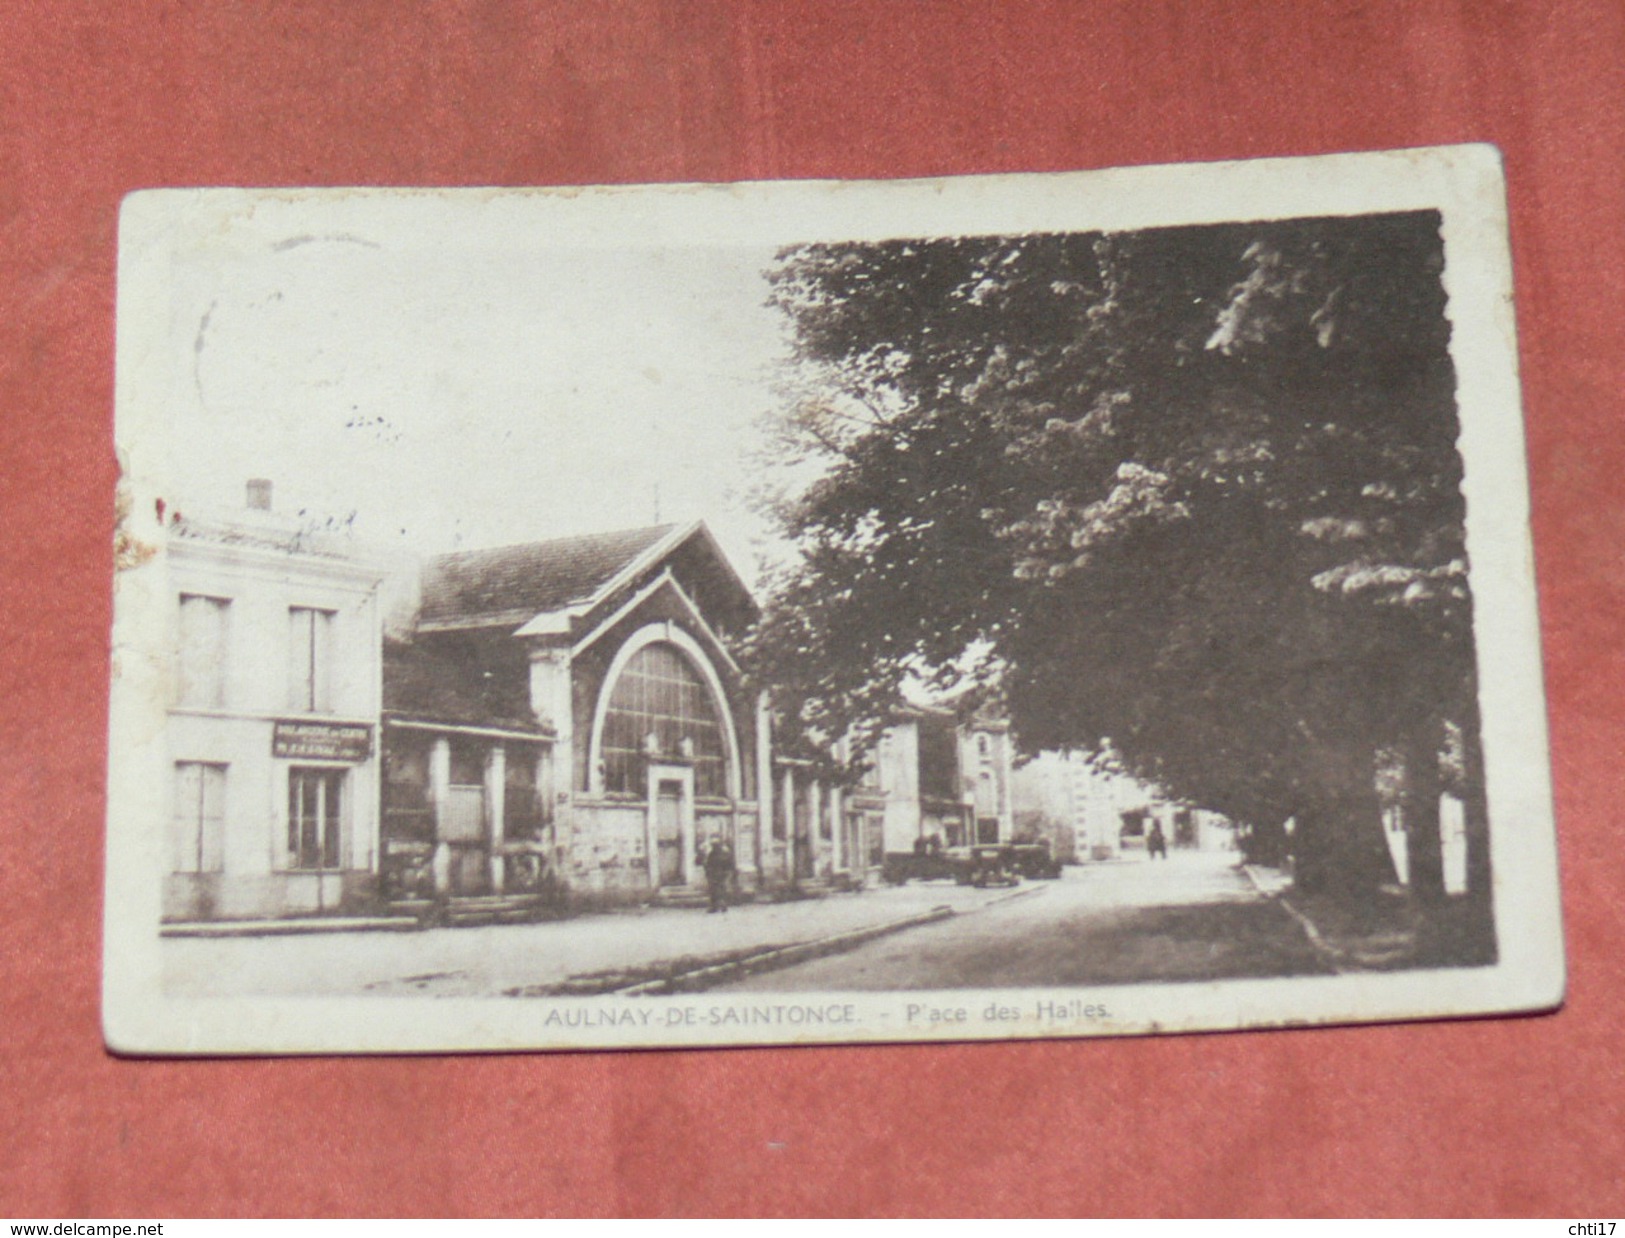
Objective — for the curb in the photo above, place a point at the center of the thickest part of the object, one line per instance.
(292, 928)
(1333, 957)
(777, 957)
(1343, 962)
(1259, 885)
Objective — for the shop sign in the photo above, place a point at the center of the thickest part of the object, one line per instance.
(322, 741)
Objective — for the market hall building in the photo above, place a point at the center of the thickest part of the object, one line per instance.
(569, 711)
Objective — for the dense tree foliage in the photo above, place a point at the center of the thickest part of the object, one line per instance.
(1195, 490)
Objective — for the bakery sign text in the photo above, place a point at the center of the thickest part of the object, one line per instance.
(322, 741)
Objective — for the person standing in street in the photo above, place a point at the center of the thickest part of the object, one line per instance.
(1156, 842)
(719, 873)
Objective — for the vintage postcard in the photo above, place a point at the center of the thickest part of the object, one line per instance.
(998, 607)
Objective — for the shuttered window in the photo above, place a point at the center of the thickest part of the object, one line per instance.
(310, 638)
(198, 825)
(203, 650)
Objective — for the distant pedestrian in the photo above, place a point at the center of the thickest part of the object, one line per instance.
(719, 873)
(1156, 842)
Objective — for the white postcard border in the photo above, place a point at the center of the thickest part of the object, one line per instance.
(1464, 183)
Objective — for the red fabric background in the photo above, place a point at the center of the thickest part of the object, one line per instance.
(1512, 1116)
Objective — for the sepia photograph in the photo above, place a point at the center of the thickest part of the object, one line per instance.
(997, 607)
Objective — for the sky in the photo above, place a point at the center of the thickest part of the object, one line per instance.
(473, 367)
(454, 390)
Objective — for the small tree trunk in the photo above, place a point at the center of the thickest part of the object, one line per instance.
(1422, 842)
(1479, 927)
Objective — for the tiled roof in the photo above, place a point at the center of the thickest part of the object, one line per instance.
(427, 682)
(518, 582)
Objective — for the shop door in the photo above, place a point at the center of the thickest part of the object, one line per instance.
(315, 818)
(462, 827)
(669, 831)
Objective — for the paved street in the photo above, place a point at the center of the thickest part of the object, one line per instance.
(467, 962)
(1194, 917)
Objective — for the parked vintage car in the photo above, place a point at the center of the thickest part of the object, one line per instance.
(921, 864)
(988, 865)
(981, 865)
(1033, 860)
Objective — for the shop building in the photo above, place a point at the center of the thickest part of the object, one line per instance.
(1090, 811)
(571, 708)
(273, 719)
(1113, 813)
(933, 774)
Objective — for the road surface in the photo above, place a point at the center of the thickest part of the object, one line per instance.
(507, 959)
(1192, 917)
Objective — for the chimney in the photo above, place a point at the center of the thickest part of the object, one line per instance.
(259, 494)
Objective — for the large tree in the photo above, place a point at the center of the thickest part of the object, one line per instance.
(1195, 490)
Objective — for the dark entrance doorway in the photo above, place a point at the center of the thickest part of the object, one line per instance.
(464, 826)
(669, 831)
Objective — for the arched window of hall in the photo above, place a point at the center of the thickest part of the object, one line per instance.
(662, 709)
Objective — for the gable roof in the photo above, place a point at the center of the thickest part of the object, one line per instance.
(512, 584)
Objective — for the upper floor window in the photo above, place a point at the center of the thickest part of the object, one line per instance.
(203, 650)
(310, 654)
(660, 707)
(987, 800)
(869, 777)
(939, 760)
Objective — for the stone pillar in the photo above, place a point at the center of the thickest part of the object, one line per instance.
(815, 813)
(651, 833)
(837, 831)
(789, 823)
(553, 705)
(546, 789)
(764, 786)
(440, 793)
(551, 702)
(496, 812)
